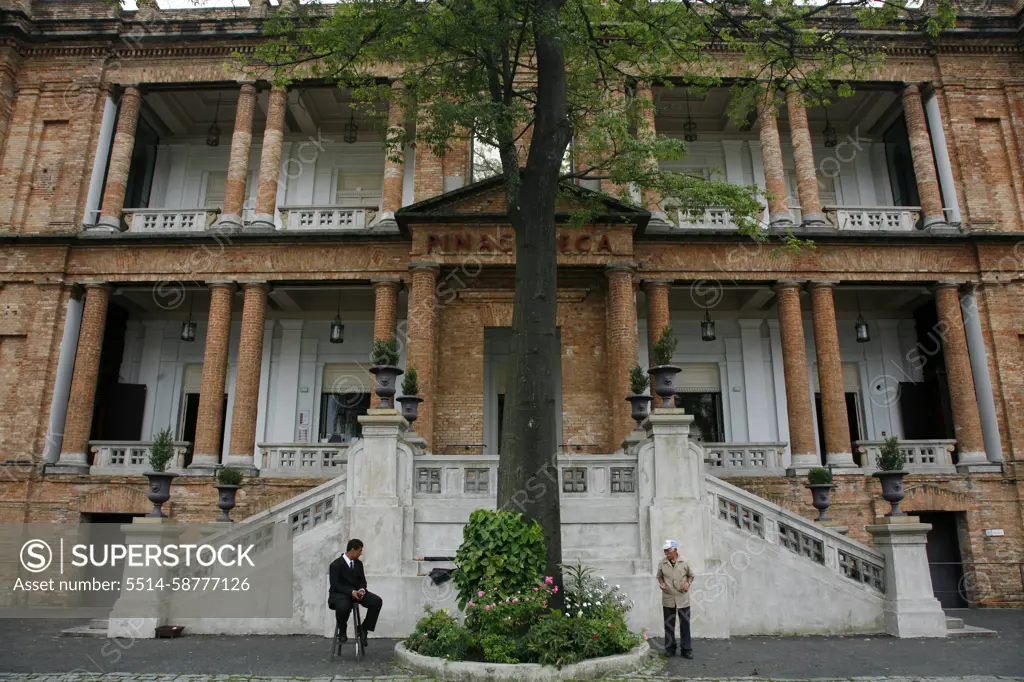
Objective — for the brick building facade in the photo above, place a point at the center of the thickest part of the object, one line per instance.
(158, 272)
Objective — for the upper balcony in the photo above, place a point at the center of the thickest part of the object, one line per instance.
(330, 175)
(860, 148)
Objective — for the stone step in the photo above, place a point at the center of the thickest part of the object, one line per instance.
(97, 627)
(953, 623)
(972, 631)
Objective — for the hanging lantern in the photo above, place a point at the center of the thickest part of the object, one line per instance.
(829, 133)
(707, 325)
(213, 134)
(861, 326)
(337, 326)
(188, 327)
(689, 128)
(351, 129)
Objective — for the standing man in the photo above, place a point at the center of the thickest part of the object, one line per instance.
(675, 578)
(348, 586)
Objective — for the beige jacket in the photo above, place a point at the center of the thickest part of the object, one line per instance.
(675, 578)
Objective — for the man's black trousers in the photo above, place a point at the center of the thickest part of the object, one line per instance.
(670, 628)
(343, 607)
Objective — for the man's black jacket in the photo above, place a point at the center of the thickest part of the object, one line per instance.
(345, 580)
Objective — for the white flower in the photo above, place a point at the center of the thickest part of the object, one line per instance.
(616, 587)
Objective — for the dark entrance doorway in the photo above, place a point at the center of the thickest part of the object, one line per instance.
(944, 559)
(852, 419)
(190, 420)
(104, 529)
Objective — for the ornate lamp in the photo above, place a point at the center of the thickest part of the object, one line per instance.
(188, 327)
(689, 128)
(213, 134)
(829, 133)
(337, 326)
(861, 326)
(707, 325)
(351, 129)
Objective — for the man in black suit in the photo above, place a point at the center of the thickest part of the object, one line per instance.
(348, 586)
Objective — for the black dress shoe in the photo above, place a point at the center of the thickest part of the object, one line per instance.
(688, 654)
(670, 652)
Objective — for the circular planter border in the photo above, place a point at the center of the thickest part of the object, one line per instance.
(472, 671)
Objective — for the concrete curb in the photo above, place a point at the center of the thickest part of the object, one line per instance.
(470, 671)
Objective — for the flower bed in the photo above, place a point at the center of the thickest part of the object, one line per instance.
(505, 616)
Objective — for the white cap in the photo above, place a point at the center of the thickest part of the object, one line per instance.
(670, 544)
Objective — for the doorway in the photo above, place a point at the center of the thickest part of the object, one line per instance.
(104, 529)
(852, 419)
(189, 419)
(945, 562)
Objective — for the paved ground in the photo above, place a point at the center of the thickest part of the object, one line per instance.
(36, 646)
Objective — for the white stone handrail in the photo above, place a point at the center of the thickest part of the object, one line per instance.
(923, 456)
(873, 218)
(581, 476)
(303, 460)
(129, 458)
(172, 220)
(744, 459)
(779, 526)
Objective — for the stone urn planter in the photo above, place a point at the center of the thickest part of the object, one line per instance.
(640, 407)
(463, 671)
(159, 491)
(410, 407)
(892, 490)
(387, 378)
(226, 500)
(821, 498)
(664, 377)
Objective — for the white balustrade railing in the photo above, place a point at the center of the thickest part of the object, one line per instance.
(581, 476)
(355, 210)
(744, 459)
(874, 218)
(129, 458)
(301, 460)
(775, 525)
(169, 220)
(923, 456)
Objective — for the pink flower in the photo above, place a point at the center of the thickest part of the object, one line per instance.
(549, 580)
(554, 590)
(489, 607)
(609, 624)
(471, 603)
(480, 593)
(544, 604)
(535, 589)
(645, 636)
(515, 600)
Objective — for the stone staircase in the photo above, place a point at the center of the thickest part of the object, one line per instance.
(956, 627)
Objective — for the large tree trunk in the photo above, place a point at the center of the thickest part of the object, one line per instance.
(528, 477)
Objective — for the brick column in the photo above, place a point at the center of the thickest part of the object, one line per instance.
(247, 379)
(652, 200)
(206, 450)
(270, 161)
(74, 451)
(658, 317)
(771, 155)
(421, 351)
(964, 401)
(385, 308)
(803, 159)
(238, 163)
(798, 391)
(838, 449)
(620, 320)
(924, 163)
(120, 161)
(394, 171)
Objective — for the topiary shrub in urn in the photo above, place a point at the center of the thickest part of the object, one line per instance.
(890, 461)
(819, 481)
(410, 400)
(160, 455)
(385, 360)
(229, 480)
(640, 402)
(664, 372)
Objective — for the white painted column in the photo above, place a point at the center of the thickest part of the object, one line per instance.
(176, 178)
(149, 373)
(733, 161)
(286, 395)
(982, 379)
(409, 179)
(99, 162)
(942, 165)
(737, 404)
(779, 382)
(263, 401)
(62, 387)
(757, 163)
(753, 381)
(885, 385)
(282, 196)
(865, 179)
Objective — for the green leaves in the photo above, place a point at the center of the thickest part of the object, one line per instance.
(162, 450)
(500, 553)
